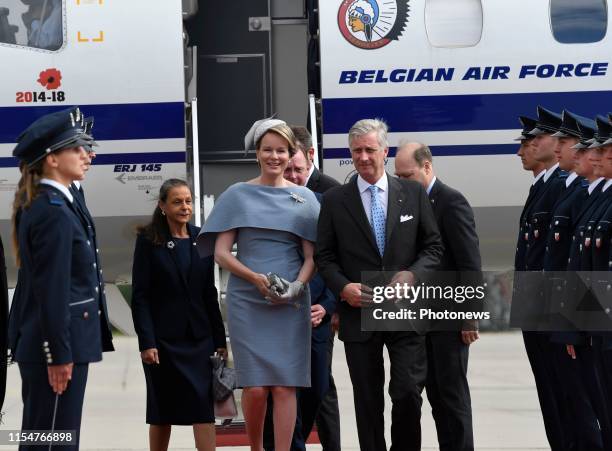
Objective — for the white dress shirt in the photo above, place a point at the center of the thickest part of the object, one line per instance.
(431, 185)
(593, 185)
(539, 176)
(366, 196)
(549, 172)
(310, 171)
(570, 178)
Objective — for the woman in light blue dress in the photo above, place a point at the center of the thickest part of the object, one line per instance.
(273, 222)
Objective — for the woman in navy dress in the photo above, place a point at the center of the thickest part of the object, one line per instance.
(177, 319)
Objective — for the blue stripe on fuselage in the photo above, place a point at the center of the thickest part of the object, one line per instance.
(440, 151)
(119, 158)
(111, 122)
(457, 112)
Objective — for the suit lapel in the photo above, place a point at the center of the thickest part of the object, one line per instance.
(567, 192)
(313, 181)
(352, 202)
(589, 201)
(394, 207)
(76, 208)
(534, 192)
(435, 193)
(81, 198)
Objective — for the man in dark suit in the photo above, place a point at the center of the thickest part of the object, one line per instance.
(328, 415)
(447, 349)
(378, 223)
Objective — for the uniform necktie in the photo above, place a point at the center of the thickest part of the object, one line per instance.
(377, 220)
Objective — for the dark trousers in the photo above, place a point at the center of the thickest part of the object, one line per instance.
(328, 416)
(595, 370)
(407, 355)
(577, 412)
(548, 386)
(39, 402)
(448, 391)
(605, 377)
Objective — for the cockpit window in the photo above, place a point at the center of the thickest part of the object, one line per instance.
(32, 23)
(453, 23)
(578, 22)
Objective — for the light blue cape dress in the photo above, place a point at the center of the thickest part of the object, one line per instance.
(270, 343)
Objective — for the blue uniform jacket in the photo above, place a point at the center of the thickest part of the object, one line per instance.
(79, 198)
(560, 230)
(56, 317)
(539, 218)
(577, 293)
(167, 304)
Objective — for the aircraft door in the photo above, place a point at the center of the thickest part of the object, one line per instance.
(233, 74)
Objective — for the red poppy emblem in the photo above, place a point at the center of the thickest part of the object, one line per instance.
(50, 78)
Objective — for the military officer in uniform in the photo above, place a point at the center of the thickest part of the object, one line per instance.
(56, 327)
(575, 294)
(577, 414)
(601, 249)
(597, 323)
(526, 154)
(528, 281)
(79, 195)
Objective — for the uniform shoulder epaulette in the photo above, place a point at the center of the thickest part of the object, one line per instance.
(55, 198)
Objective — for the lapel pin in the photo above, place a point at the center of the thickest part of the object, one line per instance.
(170, 244)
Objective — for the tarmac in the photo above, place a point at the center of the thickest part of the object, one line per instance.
(506, 414)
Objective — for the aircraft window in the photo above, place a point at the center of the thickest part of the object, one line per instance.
(578, 22)
(32, 23)
(453, 23)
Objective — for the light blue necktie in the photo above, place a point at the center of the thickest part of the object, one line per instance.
(377, 219)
